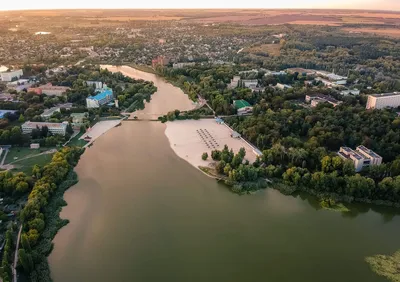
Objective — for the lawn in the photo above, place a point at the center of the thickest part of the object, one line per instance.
(76, 142)
(27, 164)
(22, 152)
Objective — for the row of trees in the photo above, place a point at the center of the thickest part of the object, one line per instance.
(5, 271)
(32, 217)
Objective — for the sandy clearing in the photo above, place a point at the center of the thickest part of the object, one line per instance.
(185, 140)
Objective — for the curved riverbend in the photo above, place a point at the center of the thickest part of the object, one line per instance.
(167, 97)
(140, 213)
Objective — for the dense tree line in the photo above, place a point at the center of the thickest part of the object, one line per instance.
(5, 271)
(32, 217)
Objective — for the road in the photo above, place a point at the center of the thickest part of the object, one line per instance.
(4, 158)
(14, 266)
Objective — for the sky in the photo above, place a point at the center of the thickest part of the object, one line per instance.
(176, 4)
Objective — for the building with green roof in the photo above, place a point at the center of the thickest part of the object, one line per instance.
(241, 104)
(243, 107)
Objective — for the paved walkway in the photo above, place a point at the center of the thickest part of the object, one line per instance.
(14, 266)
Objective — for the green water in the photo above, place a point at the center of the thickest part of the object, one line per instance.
(140, 213)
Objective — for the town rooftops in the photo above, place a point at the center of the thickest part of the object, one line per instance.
(102, 95)
(241, 104)
(385, 94)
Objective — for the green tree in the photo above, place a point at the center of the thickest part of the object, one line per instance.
(21, 118)
(25, 243)
(26, 260)
(69, 129)
(204, 156)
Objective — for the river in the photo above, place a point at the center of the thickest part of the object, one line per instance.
(140, 213)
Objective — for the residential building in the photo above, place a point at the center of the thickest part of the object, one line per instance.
(51, 90)
(320, 98)
(182, 65)
(347, 92)
(234, 82)
(248, 83)
(242, 107)
(10, 75)
(55, 128)
(283, 86)
(104, 97)
(385, 100)
(361, 157)
(96, 84)
(49, 112)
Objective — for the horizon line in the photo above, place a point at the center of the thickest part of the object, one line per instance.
(149, 9)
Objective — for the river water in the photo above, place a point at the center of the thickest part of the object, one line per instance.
(140, 213)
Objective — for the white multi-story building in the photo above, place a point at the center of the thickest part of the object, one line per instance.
(100, 99)
(385, 100)
(10, 75)
(55, 128)
(361, 157)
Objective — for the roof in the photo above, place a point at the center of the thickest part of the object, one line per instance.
(102, 95)
(50, 111)
(367, 151)
(41, 124)
(3, 112)
(385, 94)
(241, 104)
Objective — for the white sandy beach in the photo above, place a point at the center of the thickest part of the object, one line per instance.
(185, 139)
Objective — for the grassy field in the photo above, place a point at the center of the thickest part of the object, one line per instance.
(27, 164)
(76, 142)
(17, 153)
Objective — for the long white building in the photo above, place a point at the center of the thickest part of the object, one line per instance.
(361, 157)
(9, 75)
(385, 100)
(55, 128)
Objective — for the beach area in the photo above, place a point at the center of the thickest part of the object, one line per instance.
(191, 138)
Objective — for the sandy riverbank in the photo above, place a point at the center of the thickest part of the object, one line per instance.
(185, 139)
